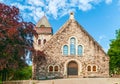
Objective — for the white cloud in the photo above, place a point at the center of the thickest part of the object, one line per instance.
(36, 2)
(20, 6)
(54, 8)
(1, 1)
(37, 13)
(108, 1)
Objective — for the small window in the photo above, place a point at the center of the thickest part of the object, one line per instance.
(89, 68)
(94, 68)
(65, 50)
(44, 41)
(50, 68)
(56, 68)
(80, 50)
(42, 25)
(39, 42)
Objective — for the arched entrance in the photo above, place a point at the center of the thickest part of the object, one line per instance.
(72, 68)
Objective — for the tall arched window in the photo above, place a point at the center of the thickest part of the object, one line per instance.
(72, 46)
(65, 50)
(80, 50)
(44, 41)
(50, 68)
(39, 42)
(94, 68)
(89, 68)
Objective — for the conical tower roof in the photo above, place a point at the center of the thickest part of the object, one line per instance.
(43, 21)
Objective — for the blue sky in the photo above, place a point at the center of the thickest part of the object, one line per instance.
(98, 17)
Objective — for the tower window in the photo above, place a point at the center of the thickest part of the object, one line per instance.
(44, 41)
(39, 42)
(42, 25)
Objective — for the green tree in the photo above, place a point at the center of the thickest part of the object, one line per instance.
(15, 40)
(23, 73)
(114, 53)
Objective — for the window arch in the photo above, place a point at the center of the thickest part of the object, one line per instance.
(50, 68)
(89, 68)
(39, 41)
(80, 49)
(72, 46)
(44, 41)
(65, 50)
(94, 68)
(56, 68)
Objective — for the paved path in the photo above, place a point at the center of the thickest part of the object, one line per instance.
(69, 81)
(82, 81)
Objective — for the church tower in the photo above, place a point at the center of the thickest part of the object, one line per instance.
(44, 31)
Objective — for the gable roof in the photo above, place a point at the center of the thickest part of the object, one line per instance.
(66, 25)
(43, 21)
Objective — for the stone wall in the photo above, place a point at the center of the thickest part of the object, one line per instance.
(42, 37)
(93, 54)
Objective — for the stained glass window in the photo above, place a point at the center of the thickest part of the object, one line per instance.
(72, 46)
(80, 50)
(65, 50)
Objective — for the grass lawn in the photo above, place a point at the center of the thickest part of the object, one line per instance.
(0, 82)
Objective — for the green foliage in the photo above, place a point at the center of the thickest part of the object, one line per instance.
(23, 73)
(114, 53)
(0, 77)
(15, 42)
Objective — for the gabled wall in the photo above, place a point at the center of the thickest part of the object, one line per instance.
(93, 54)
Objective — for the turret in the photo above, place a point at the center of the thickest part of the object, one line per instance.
(44, 30)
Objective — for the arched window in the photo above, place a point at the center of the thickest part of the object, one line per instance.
(44, 41)
(80, 50)
(65, 50)
(89, 68)
(94, 68)
(39, 42)
(50, 68)
(56, 68)
(72, 46)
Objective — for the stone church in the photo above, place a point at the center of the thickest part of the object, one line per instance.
(70, 52)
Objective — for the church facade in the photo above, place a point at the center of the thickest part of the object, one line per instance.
(70, 52)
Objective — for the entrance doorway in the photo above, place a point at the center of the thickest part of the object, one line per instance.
(72, 68)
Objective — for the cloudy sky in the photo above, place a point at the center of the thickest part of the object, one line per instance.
(99, 17)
